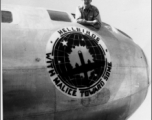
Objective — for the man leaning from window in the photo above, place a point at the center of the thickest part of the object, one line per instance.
(88, 14)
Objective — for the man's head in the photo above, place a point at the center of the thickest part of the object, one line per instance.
(86, 2)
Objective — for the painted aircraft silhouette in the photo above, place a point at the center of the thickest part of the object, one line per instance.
(56, 69)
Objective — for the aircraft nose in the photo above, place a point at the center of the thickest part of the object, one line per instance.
(74, 73)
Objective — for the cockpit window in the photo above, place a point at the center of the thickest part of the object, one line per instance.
(59, 16)
(6, 16)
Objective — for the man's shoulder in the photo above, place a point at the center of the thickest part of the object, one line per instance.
(94, 8)
(80, 6)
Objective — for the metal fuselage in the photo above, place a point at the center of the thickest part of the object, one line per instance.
(28, 92)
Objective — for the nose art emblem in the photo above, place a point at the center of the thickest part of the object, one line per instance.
(78, 62)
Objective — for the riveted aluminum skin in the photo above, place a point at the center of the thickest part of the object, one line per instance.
(28, 92)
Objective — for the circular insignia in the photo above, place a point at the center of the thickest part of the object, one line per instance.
(78, 62)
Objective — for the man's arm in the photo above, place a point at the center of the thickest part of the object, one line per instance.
(96, 23)
(97, 19)
(91, 22)
(83, 21)
(78, 16)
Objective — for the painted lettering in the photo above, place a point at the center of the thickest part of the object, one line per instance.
(78, 29)
(48, 56)
(64, 30)
(97, 39)
(50, 66)
(52, 72)
(74, 93)
(60, 85)
(93, 36)
(68, 30)
(87, 33)
(60, 32)
(73, 29)
(56, 80)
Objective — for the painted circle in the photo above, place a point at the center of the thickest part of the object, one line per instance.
(71, 62)
(79, 62)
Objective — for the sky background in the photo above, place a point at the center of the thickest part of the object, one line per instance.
(131, 16)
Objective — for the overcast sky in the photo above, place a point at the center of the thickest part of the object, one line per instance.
(131, 16)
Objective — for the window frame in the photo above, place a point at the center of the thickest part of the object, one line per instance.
(15, 15)
(12, 17)
(59, 13)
